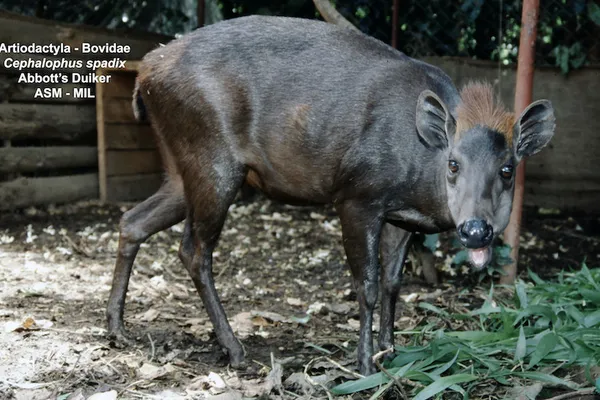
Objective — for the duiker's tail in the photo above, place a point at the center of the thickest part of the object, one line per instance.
(139, 109)
(140, 112)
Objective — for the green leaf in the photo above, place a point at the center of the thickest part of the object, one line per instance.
(521, 349)
(543, 377)
(502, 255)
(592, 319)
(477, 336)
(574, 313)
(440, 370)
(561, 55)
(430, 241)
(598, 385)
(594, 12)
(536, 278)
(442, 384)
(586, 272)
(545, 346)
(359, 385)
(592, 296)
(433, 308)
(460, 257)
(521, 294)
(402, 371)
(404, 357)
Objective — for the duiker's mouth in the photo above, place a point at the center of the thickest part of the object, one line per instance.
(479, 258)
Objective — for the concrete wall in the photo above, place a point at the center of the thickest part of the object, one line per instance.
(567, 173)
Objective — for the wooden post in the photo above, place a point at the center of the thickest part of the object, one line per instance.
(523, 97)
(395, 23)
(200, 12)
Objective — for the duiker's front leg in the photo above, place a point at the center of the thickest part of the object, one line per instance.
(361, 229)
(394, 248)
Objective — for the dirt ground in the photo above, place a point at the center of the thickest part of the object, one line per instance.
(281, 275)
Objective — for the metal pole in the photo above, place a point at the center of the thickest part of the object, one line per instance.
(523, 97)
(200, 13)
(395, 7)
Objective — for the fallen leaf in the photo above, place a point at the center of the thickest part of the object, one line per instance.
(298, 383)
(525, 392)
(29, 324)
(231, 395)
(76, 395)
(255, 388)
(431, 296)
(410, 298)
(150, 372)
(169, 395)
(354, 323)
(149, 315)
(294, 302)
(341, 308)
(318, 308)
(318, 217)
(242, 325)
(260, 321)
(269, 315)
(216, 381)
(110, 395)
(193, 321)
(12, 326)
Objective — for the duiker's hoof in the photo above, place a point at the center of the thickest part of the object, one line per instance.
(240, 365)
(368, 369)
(120, 336)
(237, 358)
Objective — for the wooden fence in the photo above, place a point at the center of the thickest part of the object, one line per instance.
(48, 150)
(129, 164)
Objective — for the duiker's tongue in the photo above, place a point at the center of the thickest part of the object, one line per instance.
(480, 257)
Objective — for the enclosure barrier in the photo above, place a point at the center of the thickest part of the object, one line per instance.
(48, 145)
(129, 165)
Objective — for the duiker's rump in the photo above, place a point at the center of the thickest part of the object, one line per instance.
(311, 113)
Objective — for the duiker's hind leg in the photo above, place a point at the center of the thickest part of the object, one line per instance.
(209, 201)
(186, 246)
(160, 211)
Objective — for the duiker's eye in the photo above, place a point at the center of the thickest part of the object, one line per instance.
(453, 166)
(506, 172)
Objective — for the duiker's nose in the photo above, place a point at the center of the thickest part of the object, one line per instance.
(475, 233)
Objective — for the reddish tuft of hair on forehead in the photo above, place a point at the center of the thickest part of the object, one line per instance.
(480, 106)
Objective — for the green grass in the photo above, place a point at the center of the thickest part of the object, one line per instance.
(537, 335)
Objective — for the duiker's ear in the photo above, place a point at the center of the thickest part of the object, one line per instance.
(435, 124)
(534, 129)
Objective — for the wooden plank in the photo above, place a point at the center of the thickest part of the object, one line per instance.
(132, 187)
(128, 137)
(22, 29)
(32, 159)
(11, 91)
(25, 192)
(568, 194)
(129, 162)
(101, 134)
(118, 110)
(47, 121)
(121, 84)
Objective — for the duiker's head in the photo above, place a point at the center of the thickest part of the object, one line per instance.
(482, 147)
